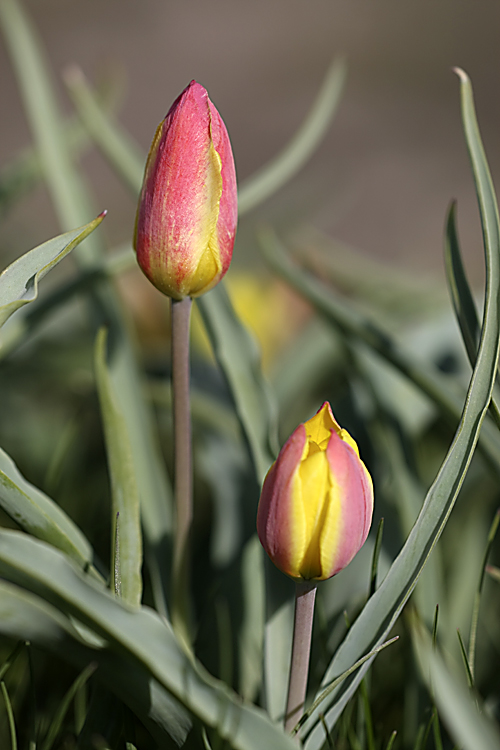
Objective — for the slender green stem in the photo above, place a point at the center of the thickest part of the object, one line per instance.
(305, 595)
(181, 315)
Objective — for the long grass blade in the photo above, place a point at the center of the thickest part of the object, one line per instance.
(461, 296)
(123, 153)
(460, 292)
(10, 716)
(376, 555)
(124, 490)
(141, 637)
(465, 659)
(353, 324)
(477, 596)
(382, 610)
(470, 729)
(261, 185)
(72, 202)
(62, 710)
(238, 357)
(339, 680)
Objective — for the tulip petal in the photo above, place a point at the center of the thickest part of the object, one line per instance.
(345, 532)
(187, 213)
(280, 524)
(316, 504)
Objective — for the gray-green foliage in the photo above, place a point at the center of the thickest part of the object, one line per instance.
(52, 593)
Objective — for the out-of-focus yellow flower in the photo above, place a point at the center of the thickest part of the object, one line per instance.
(187, 212)
(316, 504)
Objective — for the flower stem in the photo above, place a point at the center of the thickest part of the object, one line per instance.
(183, 493)
(305, 595)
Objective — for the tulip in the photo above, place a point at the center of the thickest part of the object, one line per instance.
(187, 213)
(316, 505)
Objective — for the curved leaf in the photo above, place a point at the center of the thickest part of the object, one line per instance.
(123, 153)
(37, 514)
(470, 729)
(142, 636)
(71, 199)
(124, 488)
(352, 323)
(24, 615)
(382, 610)
(266, 181)
(237, 354)
(19, 281)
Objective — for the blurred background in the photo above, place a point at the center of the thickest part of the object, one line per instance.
(393, 159)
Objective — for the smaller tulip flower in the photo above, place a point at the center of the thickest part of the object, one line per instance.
(187, 213)
(316, 504)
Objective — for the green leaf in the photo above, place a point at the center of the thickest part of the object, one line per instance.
(266, 181)
(37, 514)
(460, 293)
(382, 610)
(139, 635)
(461, 296)
(470, 729)
(238, 357)
(118, 147)
(24, 615)
(477, 595)
(128, 162)
(19, 281)
(251, 631)
(45, 118)
(354, 325)
(24, 170)
(57, 721)
(71, 200)
(10, 716)
(124, 485)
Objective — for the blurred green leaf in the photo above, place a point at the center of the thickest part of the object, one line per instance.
(461, 296)
(439, 388)
(124, 482)
(128, 162)
(10, 716)
(46, 121)
(382, 610)
(477, 595)
(24, 615)
(470, 729)
(277, 650)
(266, 181)
(24, 171)
(123, 153)
(71, 200)
(19, 281)
(251, 631)
(57, 721)
(37, 514)
(239, 359)
(460, 293)
(141, 635)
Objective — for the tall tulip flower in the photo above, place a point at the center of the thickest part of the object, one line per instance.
(184, 235)
(187, 213)
(314, 515)
(316, 504)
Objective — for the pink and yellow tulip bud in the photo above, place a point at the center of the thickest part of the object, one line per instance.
(316, 504)
(187, 213)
